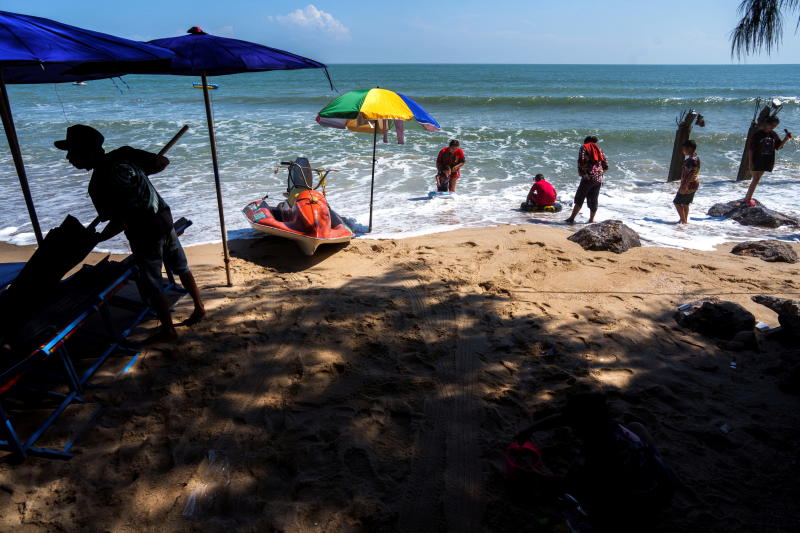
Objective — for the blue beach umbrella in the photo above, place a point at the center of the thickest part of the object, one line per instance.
(200, 54)
(39, 50)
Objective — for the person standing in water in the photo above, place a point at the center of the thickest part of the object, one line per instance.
(592, 165)
(452, 156)
(123, 195)
(762, 149)
(689, 181)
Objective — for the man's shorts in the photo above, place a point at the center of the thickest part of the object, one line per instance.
(684, 199)
(150, 254)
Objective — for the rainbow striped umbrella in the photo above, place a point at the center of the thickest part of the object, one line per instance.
(369, 111)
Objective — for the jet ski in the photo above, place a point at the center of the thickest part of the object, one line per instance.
(305, 216)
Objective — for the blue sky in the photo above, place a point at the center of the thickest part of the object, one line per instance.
(412, 31)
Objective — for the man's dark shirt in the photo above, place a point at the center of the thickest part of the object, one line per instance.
(121, 192)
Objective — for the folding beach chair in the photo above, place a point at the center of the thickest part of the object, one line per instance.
(41, 339)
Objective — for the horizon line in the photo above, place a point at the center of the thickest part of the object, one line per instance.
(572, 64)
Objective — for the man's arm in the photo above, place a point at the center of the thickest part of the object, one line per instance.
(785, 139)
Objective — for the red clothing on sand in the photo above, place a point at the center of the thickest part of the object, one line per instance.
(448, 158)
(542, 193)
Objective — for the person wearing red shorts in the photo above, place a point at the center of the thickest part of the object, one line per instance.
(452, 156)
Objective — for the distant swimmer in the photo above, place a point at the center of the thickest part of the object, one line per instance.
(690, 172)
(592, 166)
(452, 156)
(762, 149)
(542, 194)
(443, 179)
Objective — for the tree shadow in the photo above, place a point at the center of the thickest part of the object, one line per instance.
(384, 403)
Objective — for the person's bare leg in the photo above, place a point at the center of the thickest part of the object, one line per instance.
(189, 283)
(753, 184)
(591, 216)
(167, 331)
(575, 210)
(686, 214)
(679, 209)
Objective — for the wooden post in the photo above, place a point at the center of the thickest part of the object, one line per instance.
(372, 183)
(682, 134)
(213, 141)
(16, 154)
(744, 165)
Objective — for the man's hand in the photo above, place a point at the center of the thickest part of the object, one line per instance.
(788, 134)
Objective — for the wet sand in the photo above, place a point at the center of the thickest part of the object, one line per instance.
(374, 387)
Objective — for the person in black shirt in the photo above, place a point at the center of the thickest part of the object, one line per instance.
(762, 147)
(123, 195)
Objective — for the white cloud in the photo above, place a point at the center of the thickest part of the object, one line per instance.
(316, 19)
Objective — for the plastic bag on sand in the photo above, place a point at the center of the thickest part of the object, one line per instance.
(213, 479)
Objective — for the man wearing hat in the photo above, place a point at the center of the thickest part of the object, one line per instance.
(123, 195)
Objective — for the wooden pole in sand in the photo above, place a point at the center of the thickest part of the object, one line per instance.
(372, 184)
(681, 136)
(16, 155)
(744, 165)
(213, 141)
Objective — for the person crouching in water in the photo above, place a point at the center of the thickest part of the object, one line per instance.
(451, 156)
(592, 165)
(443, 178)
(542, 193)
(689, 181)
(123, 195)
(762, 149)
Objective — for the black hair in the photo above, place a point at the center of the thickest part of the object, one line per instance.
(539, 177)
(590, 139)
(454, 142)
(690, 144)
(772, 119)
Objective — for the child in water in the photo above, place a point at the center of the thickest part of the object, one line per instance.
(689, 181)
(443, 179)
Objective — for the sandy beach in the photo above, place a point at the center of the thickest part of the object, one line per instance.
(374, 388)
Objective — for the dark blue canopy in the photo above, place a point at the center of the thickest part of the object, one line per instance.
(39, 50)
(199, 53)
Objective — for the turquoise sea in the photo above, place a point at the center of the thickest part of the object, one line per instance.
(513, 121)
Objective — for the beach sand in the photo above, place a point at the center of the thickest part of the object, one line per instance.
(374, 387)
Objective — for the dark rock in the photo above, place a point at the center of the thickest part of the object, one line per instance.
(609, 235)
(788, 312)
(722, 320)
(771, 250)
(752, 216)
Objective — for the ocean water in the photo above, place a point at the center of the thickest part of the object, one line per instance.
(513, 122)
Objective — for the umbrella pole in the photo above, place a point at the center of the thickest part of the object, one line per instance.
(16, 154)
(213, 141)
(372, 184)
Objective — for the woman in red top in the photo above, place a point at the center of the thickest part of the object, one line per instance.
(453, 157)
